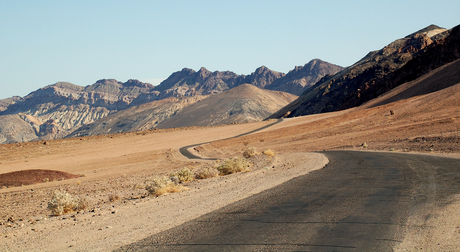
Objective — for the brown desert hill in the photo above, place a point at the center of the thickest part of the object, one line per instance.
(30, 177)
(143, 117)
(245, 103)
(401, 61)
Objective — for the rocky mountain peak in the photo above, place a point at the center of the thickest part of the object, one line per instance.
(203, 73)
(137, 83)
(187, 71)
(263, 76)
(430, 31)
(109, 82)
(262, 70)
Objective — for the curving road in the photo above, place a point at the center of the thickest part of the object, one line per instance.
(359, 202)
(185, 150)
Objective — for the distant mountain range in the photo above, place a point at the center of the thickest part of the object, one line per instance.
(244, 103)
(201, 98)
(378, 72)
(64, 107)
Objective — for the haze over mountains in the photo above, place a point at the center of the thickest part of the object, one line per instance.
(203, 98)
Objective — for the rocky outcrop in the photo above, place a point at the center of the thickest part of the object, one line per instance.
(4, 103)
(144, 117)
(378, 72)
(14, 129)
(71, 106)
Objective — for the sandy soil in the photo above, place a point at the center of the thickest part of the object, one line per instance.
(109, 226)
(120, 165)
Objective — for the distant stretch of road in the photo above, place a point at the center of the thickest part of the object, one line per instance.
(185, 152)
(359, 202)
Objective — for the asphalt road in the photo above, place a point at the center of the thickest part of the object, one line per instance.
(185, 152)
(359, 202)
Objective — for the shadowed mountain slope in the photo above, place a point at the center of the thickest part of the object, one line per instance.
(436, 80)
(245, 103)
(401, 61)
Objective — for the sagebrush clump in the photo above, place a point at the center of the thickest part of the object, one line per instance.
(162, 185)
(234, 165)
(206, 172)
(270, 153)
(250, 152)
(62, 203)
(183, 175)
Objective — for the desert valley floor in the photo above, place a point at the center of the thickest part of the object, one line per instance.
(120, 164)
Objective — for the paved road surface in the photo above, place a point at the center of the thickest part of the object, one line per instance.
(359, 202)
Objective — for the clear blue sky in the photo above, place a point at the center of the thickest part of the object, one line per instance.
(43, 42)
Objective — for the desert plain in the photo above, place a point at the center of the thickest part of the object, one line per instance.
(112, 170)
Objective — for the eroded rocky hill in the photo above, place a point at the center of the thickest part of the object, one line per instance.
(378, 72)
(61, 108)
(245, 103)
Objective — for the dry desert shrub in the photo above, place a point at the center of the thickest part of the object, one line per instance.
(159, 186)
(234, 165)
(62, 203)
(270, 153)
(114, 197)
(183, 175)
(250, 152)
(206, 172)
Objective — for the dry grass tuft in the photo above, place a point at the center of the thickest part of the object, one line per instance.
(183, 175)
(62, 203)
(159, 186)
(270, 153)
(206, 172)
(250, 152)
(234, 165)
